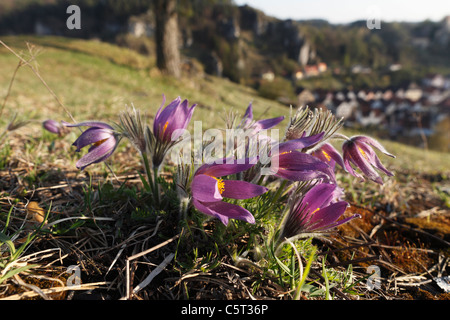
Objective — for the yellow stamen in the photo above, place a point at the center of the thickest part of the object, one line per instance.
(220, 185)
(363, 153)
(326, 155)
(315, 211)
(165, 126)
(99, 142)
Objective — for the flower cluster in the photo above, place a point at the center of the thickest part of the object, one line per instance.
(305, 159)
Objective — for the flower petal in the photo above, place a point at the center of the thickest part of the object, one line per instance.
(339, 222)
(372, 142)
(98, 153)
(224, 211)
(296, 159)
(267, 123)
(248, 116)
(226, 168)
(52, 126)
(319, 196)
(374, 160)
(177, 119)
(325, 217)
(329, 154)
(299, 166)
(95, 124)
(204, 188)
(366, 167)
(92, 135)
(300, 143)
(174, 116)
(236, 189)
(353, 153)
(349, 167)
(160, 107)
(295, 175)
(163, 116)
(204, 208)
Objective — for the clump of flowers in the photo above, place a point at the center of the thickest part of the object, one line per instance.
(301, 164)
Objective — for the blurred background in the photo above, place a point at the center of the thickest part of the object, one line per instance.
(384, 66)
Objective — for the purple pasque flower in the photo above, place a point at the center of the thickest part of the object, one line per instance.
(317, 211)
(290, 164)
(102, 138)
(247, 122)
(358, 150)
(208, 191)
(170, 122)
(328, 154)
(54, 126)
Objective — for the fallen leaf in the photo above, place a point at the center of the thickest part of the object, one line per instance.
(36, 212)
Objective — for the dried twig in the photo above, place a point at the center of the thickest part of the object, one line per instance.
(32, 293)
(143, 253)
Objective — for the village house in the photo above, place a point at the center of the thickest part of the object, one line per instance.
(408, 112)
(311, 71)
(268, 75)
(322, 67)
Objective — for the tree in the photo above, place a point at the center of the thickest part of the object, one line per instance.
(167, 53)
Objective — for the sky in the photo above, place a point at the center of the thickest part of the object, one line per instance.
(346, 11)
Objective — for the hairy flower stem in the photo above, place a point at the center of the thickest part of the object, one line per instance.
(278, 195)
(151, 183)
(184, 206)
(156, 186)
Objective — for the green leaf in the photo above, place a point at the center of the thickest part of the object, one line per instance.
(22, 248)
(6, 240)
(7, 218)
(283, 266)
(14, 271)
(145, 183)
(305, 273)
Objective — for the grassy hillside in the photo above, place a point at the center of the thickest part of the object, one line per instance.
(93, 78)
(404, 225)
